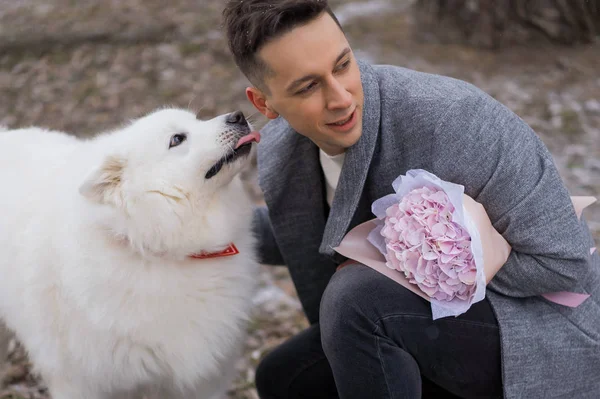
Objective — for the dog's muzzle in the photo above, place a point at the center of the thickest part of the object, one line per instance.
(237, 138)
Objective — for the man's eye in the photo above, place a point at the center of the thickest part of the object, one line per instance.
(307, 88)
(177, 139)
(344, 65)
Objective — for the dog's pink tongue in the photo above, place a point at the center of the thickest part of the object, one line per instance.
(253, 136)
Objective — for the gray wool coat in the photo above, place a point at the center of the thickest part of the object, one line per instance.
(448, 127)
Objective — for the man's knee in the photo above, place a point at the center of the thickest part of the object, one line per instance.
(350, 286)
(348, 299)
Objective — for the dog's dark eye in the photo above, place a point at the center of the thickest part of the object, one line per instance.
(177, 139)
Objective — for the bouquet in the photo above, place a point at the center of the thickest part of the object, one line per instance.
(436, 241)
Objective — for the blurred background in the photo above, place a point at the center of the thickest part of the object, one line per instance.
(84, 66)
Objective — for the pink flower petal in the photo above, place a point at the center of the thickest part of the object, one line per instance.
(438, 230)
(449, 248)
(390, 233)
(455, 282)
(446, 258)
(430, 291)
(421, 266)
(392, 210)
(448, 270)
(411, 260)
(428, 251)
(446, 288)
(393, 262)
(450, 231)
(439, 196)
(414, 237)
(468, 277)
(441, 296)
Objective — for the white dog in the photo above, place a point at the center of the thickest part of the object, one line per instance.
(127, 262)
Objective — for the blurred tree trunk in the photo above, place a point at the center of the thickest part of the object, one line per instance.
(497, 23)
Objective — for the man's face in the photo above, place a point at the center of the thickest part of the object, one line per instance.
(316, 85)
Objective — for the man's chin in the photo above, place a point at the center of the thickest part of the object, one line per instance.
(352, 137)
(346, 143)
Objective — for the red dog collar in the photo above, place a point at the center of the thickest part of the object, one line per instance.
(229, 251)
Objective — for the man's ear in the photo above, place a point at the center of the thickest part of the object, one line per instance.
(260, 102)
(104, 185)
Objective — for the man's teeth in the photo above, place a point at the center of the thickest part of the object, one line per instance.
(343, 122)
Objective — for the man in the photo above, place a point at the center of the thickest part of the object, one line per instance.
(341, 131)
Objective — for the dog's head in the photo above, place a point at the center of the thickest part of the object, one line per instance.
(166, 183)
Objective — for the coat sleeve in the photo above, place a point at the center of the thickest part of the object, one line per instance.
(503, 165)
(268, 250)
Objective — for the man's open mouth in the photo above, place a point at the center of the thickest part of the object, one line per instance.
(344, 121)
(345, 124)
(242, 149)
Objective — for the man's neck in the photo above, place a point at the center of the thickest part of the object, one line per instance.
(331, 151)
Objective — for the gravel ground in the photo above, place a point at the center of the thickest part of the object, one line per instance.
(89, 68)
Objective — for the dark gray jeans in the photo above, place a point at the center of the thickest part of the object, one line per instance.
(377, 340)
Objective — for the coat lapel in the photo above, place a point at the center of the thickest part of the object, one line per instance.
(356, 166)
(292, 182)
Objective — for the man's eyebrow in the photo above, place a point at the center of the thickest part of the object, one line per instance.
(306, 78)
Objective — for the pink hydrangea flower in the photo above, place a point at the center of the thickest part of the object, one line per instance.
(424, 242)
(424, 232)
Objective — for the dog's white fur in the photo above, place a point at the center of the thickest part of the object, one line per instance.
(94, 275)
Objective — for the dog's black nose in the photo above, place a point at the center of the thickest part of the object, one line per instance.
(236, 118)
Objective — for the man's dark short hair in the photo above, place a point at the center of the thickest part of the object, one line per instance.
(250, 24)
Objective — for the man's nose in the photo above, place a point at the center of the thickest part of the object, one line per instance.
(338, 96)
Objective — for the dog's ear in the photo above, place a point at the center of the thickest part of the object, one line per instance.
(104, 184)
